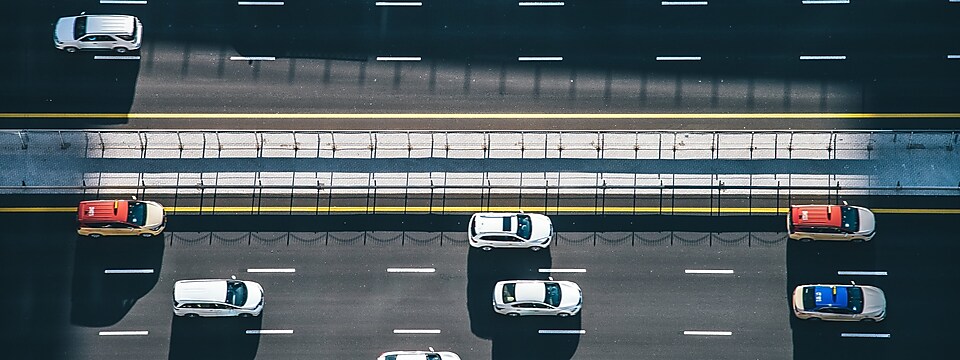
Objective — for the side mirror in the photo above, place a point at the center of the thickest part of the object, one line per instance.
(134, 197)
(233, 277)
(854, 283)
(550, 277)
(431, 349)
(83, 12)
(845, 203)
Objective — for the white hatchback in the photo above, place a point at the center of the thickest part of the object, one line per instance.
(120, 33)
(537, 297)
(510, 230)
(418, 355)
(215, 297)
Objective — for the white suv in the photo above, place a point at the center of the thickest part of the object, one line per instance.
(120, 33)
(211, 298)
(510, 230)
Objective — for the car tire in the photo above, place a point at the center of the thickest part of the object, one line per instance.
(71, 49)
(146, 235)
(486, 248)
(120, 50)
(806, 240)
(94, 235)
(513, 314)
(535, 248)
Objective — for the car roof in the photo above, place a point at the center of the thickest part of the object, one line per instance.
(816, 215)
(213, 290)
(110, 24)
(530, 291)
(831, 296)
(495, 223)
(102, 211)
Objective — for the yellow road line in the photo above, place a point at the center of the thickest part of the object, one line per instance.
(473, 209)
(483, 116)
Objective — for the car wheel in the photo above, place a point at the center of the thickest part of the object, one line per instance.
(121, 50)
(244, 315)
(513, 314)
(563, 315)
(806, 240)
(536, 248)
(71, 49)
(868, 320)
(146, 235)
(192, 315)
(486, 248)
(94, 235)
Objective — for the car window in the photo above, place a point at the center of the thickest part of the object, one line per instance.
(433, 357)
(236, 293)
(137, 213)
(90, 38)
(524, 226)
(552, 294)
(80, 27)
(524, 306)
(850, 219)
(126, 37)
(508, 293)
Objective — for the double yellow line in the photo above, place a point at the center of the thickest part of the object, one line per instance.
(474, 209)
(384, 116)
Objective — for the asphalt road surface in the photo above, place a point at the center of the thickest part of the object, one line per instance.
(617, 57)
(338, 300)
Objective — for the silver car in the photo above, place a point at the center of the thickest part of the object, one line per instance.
(510, 230)
(119, 33)
(537, 297)
(216, 297)
(839, 302)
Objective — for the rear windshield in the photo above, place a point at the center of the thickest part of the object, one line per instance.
(137, 213)
(236, 293)
(508, 293)
(80, 27)
(523, 226)
(851, 218)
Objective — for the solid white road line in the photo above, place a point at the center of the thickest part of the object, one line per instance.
(682, 3)
(679, 58)
(128, 271)
(263, 3)
(562, 332)
(398, 58)
(416, 331)
(707, 333)
(540, 58)
(252, 58)
(563, 270)
(695, 271)
(954, 56)
(399, 3)
(541, 3)
(124, 333)
(865, 335)
(116, 57)
(411, 270)
(124, 2)
(825, 2)
(823, 57)
(268, 332)
(876, 273)
(280, 270)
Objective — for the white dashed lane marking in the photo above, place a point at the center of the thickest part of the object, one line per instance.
(411, 270)
(398, 58)
(866, 273)
(399, 3)
(279, 270)
(697, 271)
(128, 271)
(562, 332)
(823, 57)
(563, 270)
(116, 57)
(124, 333)
(865, 335)
(540, 58)
(416, 331)
(269, 332)
(253, 58)
(707, 333)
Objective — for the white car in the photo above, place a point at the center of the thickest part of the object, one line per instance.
(120, 33)
(418, 355)
(216, 297)
(510, 230)
(839, 302)
(537, 297)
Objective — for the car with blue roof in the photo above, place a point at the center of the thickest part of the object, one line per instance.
(836, 302)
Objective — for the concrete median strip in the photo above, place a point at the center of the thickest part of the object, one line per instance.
(124, 333)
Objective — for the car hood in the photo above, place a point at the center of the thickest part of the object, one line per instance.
(254, 295)
(154, 214)
(868, 222)
(874, 301)
(570, 294)
(64, 28)
(542, 227)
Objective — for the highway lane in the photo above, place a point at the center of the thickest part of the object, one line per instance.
(470, 64)
(342, 301)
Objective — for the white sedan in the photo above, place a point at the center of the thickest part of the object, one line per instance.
(537, 297)
(418, 355)
(510, 230)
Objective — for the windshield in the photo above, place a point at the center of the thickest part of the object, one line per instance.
(851, 218)
(508, 293)
(553, 294)
(137, 213)
(833, 299)
(80, 27)
(523, 226)
(236, 293)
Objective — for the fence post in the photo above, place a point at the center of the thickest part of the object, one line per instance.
(63, 145)
(200, 186)
(259, 196)
(316, 210)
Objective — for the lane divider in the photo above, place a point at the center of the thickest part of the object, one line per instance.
(562, 332)
(283, 270)
(416, 331)
(411, 270)
(651, 210)
(683, 3)
(253, 58)
(268, 332)
(678, 58)
(540, 58)
(123, 2)
(124, 333)
(541, 3)
(399, 3)
(116, 57)
(864, 335)
(825, 2)
(398, 58)
(128, 271)
(823, 57)
(563, 270)
(866, 273)
(260, 3)
(504, 116)
(707, 333)
(693, 271)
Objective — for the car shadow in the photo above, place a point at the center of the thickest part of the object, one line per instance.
(100, 295)
(214, 338)
(515, 338)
